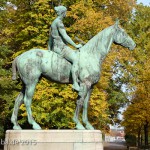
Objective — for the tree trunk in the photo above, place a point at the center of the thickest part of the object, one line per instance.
(139, 138)
(146, 132)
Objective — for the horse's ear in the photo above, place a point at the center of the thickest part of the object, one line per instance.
(117, 22)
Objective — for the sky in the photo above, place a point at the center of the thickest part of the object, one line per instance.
(145, 2)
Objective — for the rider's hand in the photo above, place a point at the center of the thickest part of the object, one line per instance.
(78, 46)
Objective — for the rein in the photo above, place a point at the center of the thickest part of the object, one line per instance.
(125, 43)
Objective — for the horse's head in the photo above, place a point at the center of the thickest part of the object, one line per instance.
(122, 38)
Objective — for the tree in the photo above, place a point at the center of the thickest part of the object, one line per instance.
(139, 72)
(136, 119)
(7, 89)
(27, 26)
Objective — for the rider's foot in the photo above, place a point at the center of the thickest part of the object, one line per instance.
(14, 77)
(76, 86)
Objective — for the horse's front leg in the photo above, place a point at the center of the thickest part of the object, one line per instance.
(85, 111)
(79, 126)
(80, 102)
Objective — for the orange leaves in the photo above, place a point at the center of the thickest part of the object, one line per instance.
(98, 109)
(136, 115)
(88, 21)
(28, 27)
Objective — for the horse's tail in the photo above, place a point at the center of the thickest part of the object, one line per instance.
(14, 69)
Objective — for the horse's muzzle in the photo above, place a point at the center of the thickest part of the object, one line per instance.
(132, 47)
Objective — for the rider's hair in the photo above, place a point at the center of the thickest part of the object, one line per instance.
(60, 9)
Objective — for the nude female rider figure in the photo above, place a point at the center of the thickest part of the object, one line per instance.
(58, 40)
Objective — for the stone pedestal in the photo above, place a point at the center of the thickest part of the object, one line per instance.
(53, 140)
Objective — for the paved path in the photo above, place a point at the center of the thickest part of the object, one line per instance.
(115, 146)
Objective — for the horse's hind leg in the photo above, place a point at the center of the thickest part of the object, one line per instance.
(29, 91)
(18, 102)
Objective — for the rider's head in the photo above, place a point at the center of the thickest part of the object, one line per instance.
(61, 10)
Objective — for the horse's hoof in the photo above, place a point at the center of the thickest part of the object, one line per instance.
(17, 127)
(80, 127)
(89, 126)
(36, 126)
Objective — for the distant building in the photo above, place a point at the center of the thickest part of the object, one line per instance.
(115, 135)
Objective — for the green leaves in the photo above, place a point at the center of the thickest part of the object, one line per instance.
(137, 114)
(26, 26)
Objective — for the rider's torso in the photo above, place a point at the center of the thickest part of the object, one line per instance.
(57, 38)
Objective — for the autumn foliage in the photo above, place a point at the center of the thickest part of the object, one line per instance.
(137, 116)
(24, 24)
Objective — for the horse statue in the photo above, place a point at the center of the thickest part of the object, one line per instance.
(36, 63)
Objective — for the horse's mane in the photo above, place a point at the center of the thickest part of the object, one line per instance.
(93, 43)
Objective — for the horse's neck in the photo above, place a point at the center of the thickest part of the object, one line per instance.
(100, 44)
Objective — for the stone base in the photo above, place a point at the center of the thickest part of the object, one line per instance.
(53, 140)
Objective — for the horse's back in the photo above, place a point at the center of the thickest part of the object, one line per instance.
(36, 62)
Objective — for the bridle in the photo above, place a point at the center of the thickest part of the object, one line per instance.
(126, 42)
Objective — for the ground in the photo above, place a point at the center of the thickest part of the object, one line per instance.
(115, 146)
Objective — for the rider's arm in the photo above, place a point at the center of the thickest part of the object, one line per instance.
(63, 33)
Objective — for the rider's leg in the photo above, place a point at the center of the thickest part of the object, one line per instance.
(74, 71)
(72, 56)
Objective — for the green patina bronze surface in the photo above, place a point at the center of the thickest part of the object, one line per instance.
(58, 40)
(56, 65)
